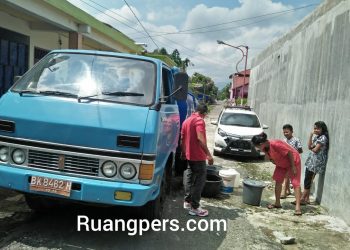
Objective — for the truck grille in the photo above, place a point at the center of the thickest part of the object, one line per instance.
(63, 163)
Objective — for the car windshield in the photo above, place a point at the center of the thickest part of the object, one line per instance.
(238, 119)
(109, 78)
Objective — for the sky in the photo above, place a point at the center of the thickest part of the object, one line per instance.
(194, 26)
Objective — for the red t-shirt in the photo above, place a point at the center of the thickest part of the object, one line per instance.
(279, 154)
(191, 126)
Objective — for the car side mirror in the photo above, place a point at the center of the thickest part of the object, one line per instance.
(265, 126)
(214, 122)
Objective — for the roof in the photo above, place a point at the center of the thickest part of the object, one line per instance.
(85, 18)
(240, 74)
(239, 109)
(164, 58)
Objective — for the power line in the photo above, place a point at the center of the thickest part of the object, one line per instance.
(140, 23)
(138, 31)
(200, 55)
(183, 31)
(112, 12)
(215, 30)
(202, 27)
(233, 21)
(197, 54)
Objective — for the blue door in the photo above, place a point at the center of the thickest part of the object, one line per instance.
(13, 57)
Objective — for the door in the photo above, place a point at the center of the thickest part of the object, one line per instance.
(13, 57)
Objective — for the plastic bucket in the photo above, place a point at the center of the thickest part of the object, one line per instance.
(212, 186)
(213, 169)
(252, 191)
(228, 180)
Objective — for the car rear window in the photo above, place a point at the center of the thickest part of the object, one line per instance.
(242, 120)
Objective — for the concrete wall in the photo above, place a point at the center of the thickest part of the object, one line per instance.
(305, 77)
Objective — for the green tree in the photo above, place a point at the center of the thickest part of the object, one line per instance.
(176, 57)
(225, 92)
(203, 84)
(161, 51)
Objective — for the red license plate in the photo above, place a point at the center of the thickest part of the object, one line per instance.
(49, 185)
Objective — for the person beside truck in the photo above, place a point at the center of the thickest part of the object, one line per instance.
(195, 150)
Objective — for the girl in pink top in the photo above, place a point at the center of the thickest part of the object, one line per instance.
(287, 161)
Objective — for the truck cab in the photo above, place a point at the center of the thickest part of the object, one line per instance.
(93, 127)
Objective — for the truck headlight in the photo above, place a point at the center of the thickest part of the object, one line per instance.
(127, 171)
(109, 169)
(18, 156)
(4, 153)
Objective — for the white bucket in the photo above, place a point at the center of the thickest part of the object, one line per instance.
(228, 180)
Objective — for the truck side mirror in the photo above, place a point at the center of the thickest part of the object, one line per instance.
(180, 86)
(265, 126)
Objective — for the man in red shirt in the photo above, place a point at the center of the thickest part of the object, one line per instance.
(195, 150)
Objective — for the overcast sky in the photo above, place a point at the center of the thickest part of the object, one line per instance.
(194, 26)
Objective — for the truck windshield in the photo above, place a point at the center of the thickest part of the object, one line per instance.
(117, 79)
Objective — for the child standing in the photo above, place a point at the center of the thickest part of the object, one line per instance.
(317, 159)
(295, 143)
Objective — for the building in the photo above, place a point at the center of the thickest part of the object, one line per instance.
(29, 29)
(239, 84)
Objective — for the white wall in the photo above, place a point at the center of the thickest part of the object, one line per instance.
(305, 77)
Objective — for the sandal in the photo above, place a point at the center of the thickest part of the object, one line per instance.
(271, 206)
(298, 213)
(302, 203)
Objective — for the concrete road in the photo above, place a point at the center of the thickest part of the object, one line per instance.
(248, 227)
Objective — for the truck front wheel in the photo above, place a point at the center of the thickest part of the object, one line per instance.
(154, 209)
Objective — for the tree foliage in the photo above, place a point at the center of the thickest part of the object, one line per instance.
(198, 83)
(176, 57)
(225, 92)
(203, 84)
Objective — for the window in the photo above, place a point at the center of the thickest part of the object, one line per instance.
(109, 78)
(166, 83)
(237, 119)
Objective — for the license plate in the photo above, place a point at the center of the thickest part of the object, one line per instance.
(49, 185)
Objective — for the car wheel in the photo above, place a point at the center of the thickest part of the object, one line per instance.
(216, 153)
(261, 157)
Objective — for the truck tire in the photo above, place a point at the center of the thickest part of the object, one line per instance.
(168, 176)
(154, 209)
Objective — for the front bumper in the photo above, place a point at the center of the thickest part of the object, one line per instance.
(83, 189)
(242, 147)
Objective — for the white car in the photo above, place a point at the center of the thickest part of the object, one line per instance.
(235, 128)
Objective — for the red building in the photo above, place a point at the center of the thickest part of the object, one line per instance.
(239, 84)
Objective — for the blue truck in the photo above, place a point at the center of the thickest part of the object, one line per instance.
(93, 127)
